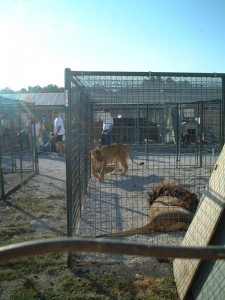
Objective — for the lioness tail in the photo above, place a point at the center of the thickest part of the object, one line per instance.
(141, 163)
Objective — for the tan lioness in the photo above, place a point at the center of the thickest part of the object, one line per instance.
(110, 154)
(171, 209)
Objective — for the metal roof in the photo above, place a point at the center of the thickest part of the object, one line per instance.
(6, 100)
(39, 98)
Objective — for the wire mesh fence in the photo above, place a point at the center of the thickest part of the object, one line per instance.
(172, 123)
(18, 158)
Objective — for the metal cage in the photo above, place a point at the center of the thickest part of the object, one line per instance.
(173, 122)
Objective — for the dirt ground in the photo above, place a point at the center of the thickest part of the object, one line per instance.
(40, 204)
(38, 210)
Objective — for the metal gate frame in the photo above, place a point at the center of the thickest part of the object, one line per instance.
(203, 142)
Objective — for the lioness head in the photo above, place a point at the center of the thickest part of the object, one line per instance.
(97, 154)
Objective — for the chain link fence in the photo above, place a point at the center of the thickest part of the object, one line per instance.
(18, 155)
(174, 124)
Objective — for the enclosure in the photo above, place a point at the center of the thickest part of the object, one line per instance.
(18, 158)
(173, 122)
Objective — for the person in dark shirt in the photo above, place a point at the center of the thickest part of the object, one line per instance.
(45, 130)
(52, 144)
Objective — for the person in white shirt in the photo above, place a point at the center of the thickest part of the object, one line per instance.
(59, 131)
(107, 119)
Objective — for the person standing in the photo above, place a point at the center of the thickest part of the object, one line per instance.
(107, 119)
(45, 129)
(33, 127)
(59, 131)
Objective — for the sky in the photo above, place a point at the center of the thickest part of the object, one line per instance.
(40, 38)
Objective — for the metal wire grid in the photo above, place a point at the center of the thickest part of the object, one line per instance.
(78, 126)
(119, 203)
(139, 88)
(18, 160)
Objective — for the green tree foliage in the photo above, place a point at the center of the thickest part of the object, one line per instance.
(23, 90)
(34, 89)
(6, 90)
(51, 88)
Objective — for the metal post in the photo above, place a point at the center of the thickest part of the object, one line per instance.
(177, 133)
(200, 106)
(68, 161)
(147, 129)
(68, 153)
(1, 171)
(222, 137)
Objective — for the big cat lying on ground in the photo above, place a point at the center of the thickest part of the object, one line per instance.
(171, 209)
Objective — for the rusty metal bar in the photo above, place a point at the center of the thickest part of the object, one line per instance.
(16, 251)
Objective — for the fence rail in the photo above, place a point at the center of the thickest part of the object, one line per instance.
(16, 251)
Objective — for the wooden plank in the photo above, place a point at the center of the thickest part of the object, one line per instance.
(203, 226)
(209, 281)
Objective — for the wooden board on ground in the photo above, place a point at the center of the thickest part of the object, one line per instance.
(203, 226)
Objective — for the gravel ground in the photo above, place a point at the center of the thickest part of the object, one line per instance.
(119, 203)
